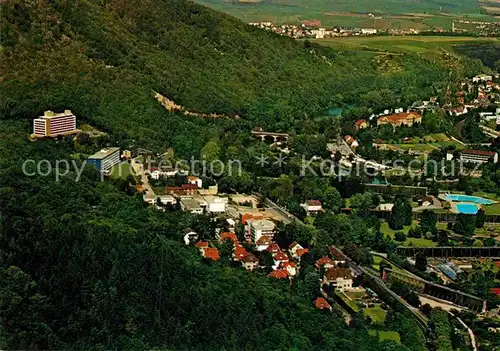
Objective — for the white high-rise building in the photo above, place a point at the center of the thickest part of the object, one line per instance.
(54, 124)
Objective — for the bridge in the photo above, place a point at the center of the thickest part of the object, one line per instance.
(442, 292)
(449, 251)
(271, 136)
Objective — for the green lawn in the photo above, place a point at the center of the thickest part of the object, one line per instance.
(355, 294)
(490, 124)
(418, 242)
(350, 303)
(490, 196)
(437, 137)
(376, 262)
(403, 44)
(386, 335)
(446, 143)
(377, 314)
(416, 147)
(122, 170)
(492, 209)
(310, 220)
(429, 143)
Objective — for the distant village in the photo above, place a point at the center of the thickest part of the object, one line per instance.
(314, 29)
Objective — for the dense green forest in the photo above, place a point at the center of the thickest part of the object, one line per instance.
(489, 54)
(86, 266)
(104, 59)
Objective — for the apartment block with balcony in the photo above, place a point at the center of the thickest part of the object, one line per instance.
(255, 229)
(54, 124)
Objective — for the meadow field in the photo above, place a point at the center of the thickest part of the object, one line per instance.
(405, 44)
(386, 335)
(387, 14)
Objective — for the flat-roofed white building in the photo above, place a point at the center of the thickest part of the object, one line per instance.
(191, 205)
(215, 204)
(105, 159)
(167, 200)
(258, 228)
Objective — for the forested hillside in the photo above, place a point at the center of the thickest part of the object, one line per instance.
(84, 264)
(104, 59)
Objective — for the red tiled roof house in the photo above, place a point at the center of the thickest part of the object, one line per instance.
(211, 253)
(399, 119)
(250, 262)
(320, 303)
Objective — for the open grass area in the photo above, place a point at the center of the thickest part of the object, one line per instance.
(379, 260)
(386, 335)
(376, 262)
(437, 137)
(417, 242)
(355, 294)
(492, 209)
(492, 124)
(446, 143)
(490, 196)
(350, 303)
(122, 170)
(427, 148)
(376, 313)
(384, 228)
(404, 44)
(426, 144)
(488, 231)
(389, 14)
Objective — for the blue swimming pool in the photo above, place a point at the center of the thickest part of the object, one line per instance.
(468, 198)
(467, 208)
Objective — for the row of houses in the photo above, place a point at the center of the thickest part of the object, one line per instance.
(397, 119)
(335, 273)
(286, 262)
(485, 86)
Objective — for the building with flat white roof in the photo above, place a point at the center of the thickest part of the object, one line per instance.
(167, 200)
(214, 204)
(53, 124)
(191, 205)
(258, 228)
(105, 159)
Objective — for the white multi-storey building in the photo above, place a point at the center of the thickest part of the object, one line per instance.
(258, 228)
(54, 124)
